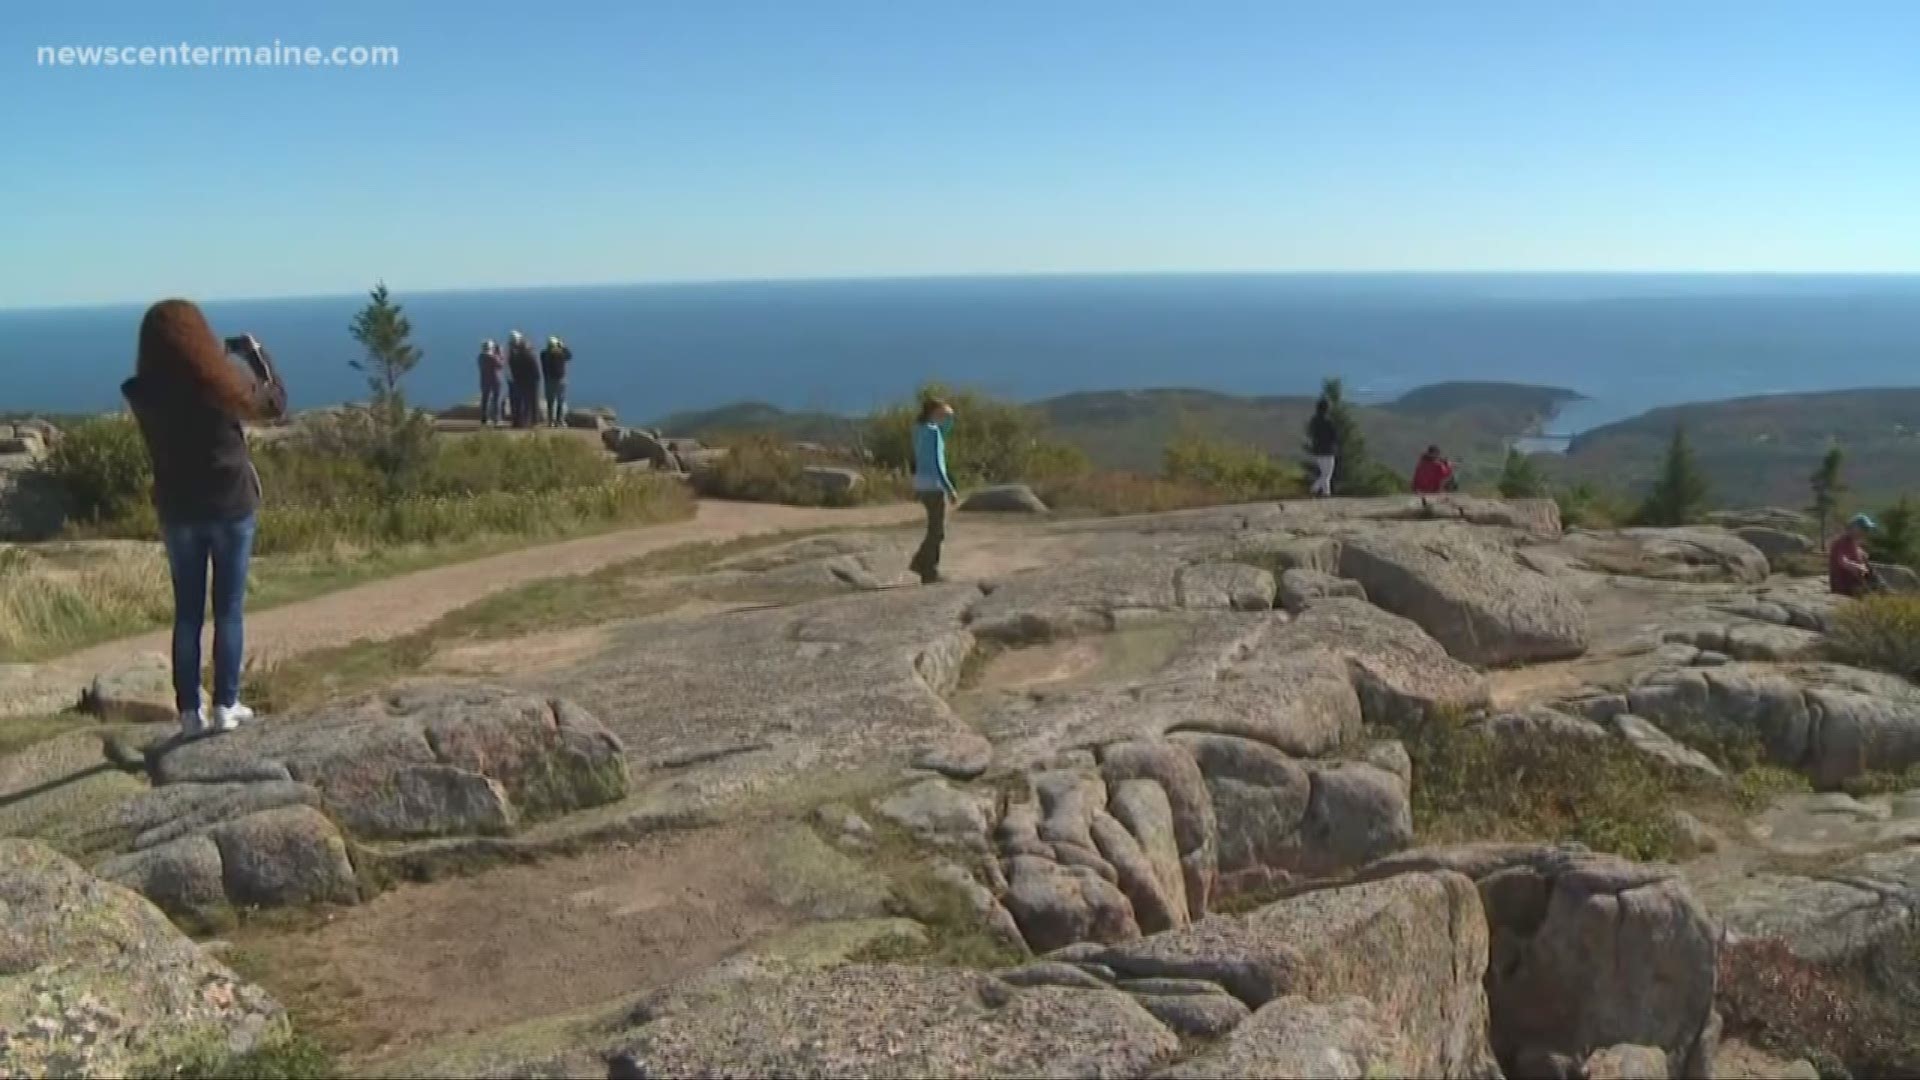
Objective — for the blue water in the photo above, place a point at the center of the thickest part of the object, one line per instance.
(1628, 342)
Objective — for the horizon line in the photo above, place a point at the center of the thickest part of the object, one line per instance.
(1008, 275)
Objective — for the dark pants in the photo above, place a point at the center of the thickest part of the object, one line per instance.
(490, 408)
(926, 561)
(526, 402)
(191, 546)
(557, 402)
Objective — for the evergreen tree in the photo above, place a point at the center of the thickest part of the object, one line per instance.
(1520, 478)
(1354, 473)
(1828, 485)
(1898, 540)
(1681, 492)
(397, 440)
(383, 330)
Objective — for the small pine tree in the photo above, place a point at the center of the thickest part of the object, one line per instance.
(1828, 485)
(1898, 540)
(398, 440)
(383, 330)
(1681, 492)
(1520, 478)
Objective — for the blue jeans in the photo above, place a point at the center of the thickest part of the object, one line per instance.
(556, 402)
(191, 545)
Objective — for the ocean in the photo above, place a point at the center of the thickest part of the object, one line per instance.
(1627, 342)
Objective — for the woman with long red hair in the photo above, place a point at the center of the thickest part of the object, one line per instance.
(190, 399)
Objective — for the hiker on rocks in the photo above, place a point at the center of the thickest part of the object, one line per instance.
(190, 399)
(493, 369)
(932, 483)
(1434, 474)
(523, 367)
(1323, 442)
(553, 369)
(1849, 571)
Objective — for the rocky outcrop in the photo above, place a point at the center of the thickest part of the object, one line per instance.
(94, 981)
(1866, 888)
(1300, 587)
(1325, 946)
(1586, 951)
(266, 815)
(755, 1019)
(1826, 720)
(1294, 988)
(434, 759)
(1213, 586)
(1472, 595)
(1696, 554)
(140, 691)
(1776, 544)
(834, 480)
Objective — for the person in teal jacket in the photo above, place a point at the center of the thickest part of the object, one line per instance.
(932, 483)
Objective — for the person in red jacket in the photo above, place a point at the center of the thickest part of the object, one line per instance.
(1434, 474)
(1849, 572)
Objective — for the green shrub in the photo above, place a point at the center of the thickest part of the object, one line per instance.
(1519, 477)
(1469, 784)
(1585, 506)
(1879, 632)
(762, 468)
(101, 469)
(994, 442)
(1239, 473)
(295, 1058)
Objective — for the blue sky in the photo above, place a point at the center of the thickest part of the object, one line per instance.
(553, 142)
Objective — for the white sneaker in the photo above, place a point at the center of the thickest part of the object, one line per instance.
(228, 717)
(192, 724)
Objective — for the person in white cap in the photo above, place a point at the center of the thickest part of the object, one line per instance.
(524, 368)
(492, 370)
(553, 368)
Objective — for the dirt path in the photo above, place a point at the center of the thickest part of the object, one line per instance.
(466, 955)
(398, 605)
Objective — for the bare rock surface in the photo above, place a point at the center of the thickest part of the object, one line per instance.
(1696, 554)
(1479, 601)
(95, 982)
(747, 1020)
(425, 760)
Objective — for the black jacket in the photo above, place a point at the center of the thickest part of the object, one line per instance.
(1323, 438)
(201, 468)
(553, 362)
(522, 365)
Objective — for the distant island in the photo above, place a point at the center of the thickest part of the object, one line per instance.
(1755, 450)
(1473, 422)
(1761, 450)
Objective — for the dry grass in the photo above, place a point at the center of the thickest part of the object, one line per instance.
(78, 594)
(57, 598)
(1121, 493)
(1880, 632)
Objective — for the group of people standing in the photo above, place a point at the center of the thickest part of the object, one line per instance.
(511, 381)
